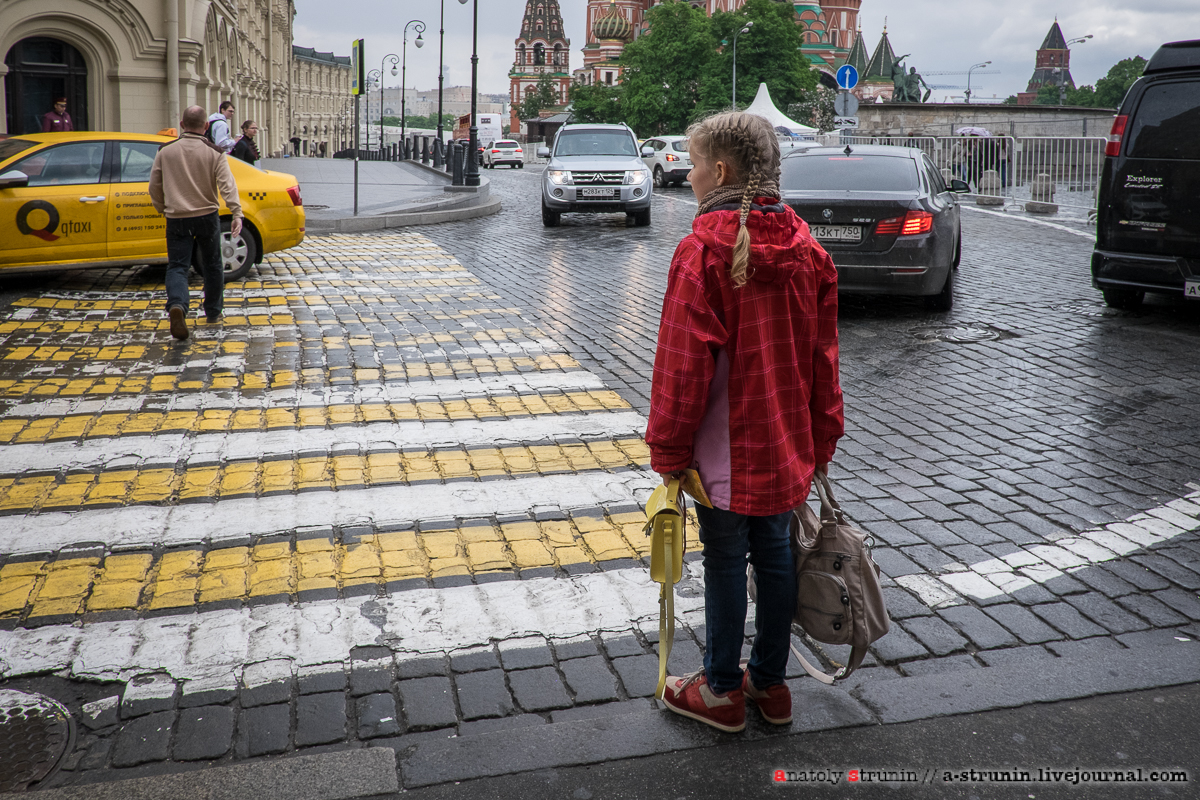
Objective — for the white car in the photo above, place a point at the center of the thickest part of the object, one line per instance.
(503, 151)
(670, 164)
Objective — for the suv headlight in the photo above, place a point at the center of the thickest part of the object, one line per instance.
(560, 176)
(636, 175)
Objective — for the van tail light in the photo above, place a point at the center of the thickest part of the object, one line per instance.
(911, 224)
(294, 193)
(1113, 148)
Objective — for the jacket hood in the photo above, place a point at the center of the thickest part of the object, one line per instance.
(779, 240)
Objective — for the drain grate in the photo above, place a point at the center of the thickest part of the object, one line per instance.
(35, 733)
(963, 333)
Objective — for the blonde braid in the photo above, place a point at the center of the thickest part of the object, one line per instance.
(748, 144)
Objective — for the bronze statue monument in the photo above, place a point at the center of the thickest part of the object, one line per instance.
(906, 88)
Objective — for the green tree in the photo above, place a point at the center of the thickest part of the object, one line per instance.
(1112, 88)
(542, 96)
(663, 69)
(816, 109)
(597, 103)
(767, 53)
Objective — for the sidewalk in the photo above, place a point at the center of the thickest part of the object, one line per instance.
(390, 194)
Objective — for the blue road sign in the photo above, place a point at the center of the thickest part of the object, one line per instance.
(847, 77)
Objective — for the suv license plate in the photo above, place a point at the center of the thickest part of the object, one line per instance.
(594, 191)
(837, 233)
(1191, 288)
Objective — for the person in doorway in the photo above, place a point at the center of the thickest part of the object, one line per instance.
(295, 140)
(245, 148)
(219, 132)
(187, 176)
(57, 120)
(746, 392)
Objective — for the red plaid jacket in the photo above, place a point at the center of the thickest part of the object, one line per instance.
(746, 380)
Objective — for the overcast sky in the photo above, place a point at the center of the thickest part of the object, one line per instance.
(946, 35)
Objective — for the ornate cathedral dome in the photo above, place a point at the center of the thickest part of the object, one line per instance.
(611, 25)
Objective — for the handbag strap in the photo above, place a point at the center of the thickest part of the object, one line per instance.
(831, 511)
(666, 628)
(857, 654)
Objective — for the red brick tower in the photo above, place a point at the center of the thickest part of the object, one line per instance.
(541, 49)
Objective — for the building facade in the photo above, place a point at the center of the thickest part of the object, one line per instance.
(829, 33)
(322, 114)
(542, 49)
(133, 65)
(1051, 68)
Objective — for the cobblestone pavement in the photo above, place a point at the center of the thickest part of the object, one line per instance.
(396, 498)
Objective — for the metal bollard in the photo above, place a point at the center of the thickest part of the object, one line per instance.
(456, 152)
(407, 149)
(424, 149)
(438, 155)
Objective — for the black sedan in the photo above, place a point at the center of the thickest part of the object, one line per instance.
(884, 214)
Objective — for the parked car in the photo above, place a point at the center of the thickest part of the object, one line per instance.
(884, 214)
(670, 163)
(1148, 218)
(504, 151)
(75, 200)
(595, 168)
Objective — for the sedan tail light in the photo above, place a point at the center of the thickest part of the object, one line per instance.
(911, 224)
(294, 193)
(1113, 147)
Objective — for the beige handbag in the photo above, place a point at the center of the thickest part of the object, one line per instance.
(838, 596)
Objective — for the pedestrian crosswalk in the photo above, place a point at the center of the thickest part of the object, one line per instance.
(360, 426)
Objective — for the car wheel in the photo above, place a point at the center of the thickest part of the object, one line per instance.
(640, 218)
(943, 300)
(520, 165)
(237, 254)
(550, 218)
(659, 181)
(1124, 299)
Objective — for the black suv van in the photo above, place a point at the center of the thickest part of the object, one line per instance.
(1148, 225)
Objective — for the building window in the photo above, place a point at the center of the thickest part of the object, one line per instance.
(608, 78)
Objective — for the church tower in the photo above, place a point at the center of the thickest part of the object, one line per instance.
(541, 49)
(1052, 68)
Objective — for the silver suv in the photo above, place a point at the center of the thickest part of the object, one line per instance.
(595, 168)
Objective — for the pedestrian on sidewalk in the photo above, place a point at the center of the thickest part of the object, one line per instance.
(219, 132)
(245, 148)
(185, 180)
(746, 392)
(57, 120)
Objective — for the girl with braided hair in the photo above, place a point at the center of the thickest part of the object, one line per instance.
(745, 392)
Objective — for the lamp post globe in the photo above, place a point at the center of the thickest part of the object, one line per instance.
(418, 26)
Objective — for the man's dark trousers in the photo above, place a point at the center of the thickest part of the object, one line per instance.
(204, 234)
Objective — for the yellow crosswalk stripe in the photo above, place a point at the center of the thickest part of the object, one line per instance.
(42, 429)
(310, 568)
(236, 318)
(163, 486)
(44, 388)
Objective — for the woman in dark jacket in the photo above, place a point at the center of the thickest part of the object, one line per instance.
(245, 148)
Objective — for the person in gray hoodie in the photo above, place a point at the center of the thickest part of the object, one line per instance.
(219, 132)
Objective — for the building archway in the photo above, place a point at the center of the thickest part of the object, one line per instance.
(41, 68)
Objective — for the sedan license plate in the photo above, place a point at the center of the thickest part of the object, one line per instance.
(1191, 288)
(837, 233)
(598, 192)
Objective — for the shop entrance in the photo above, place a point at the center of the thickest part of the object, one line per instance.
(41, 69)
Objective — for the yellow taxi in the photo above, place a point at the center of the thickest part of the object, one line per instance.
(75, 200)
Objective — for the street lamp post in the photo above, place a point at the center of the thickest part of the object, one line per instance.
(393, 59)
(437, 152)
(1062, 83)
(471, 176)
(969, 71)
(418, 26)
(745, 28)
(373, 77)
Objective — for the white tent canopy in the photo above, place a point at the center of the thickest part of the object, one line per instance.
(764, 107)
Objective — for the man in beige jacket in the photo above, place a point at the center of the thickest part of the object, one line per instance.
(185, 180)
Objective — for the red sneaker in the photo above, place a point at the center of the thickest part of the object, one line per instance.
(774, 702)
(691, 697)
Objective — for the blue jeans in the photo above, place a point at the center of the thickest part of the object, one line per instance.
(203, 233)
(727, 538)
